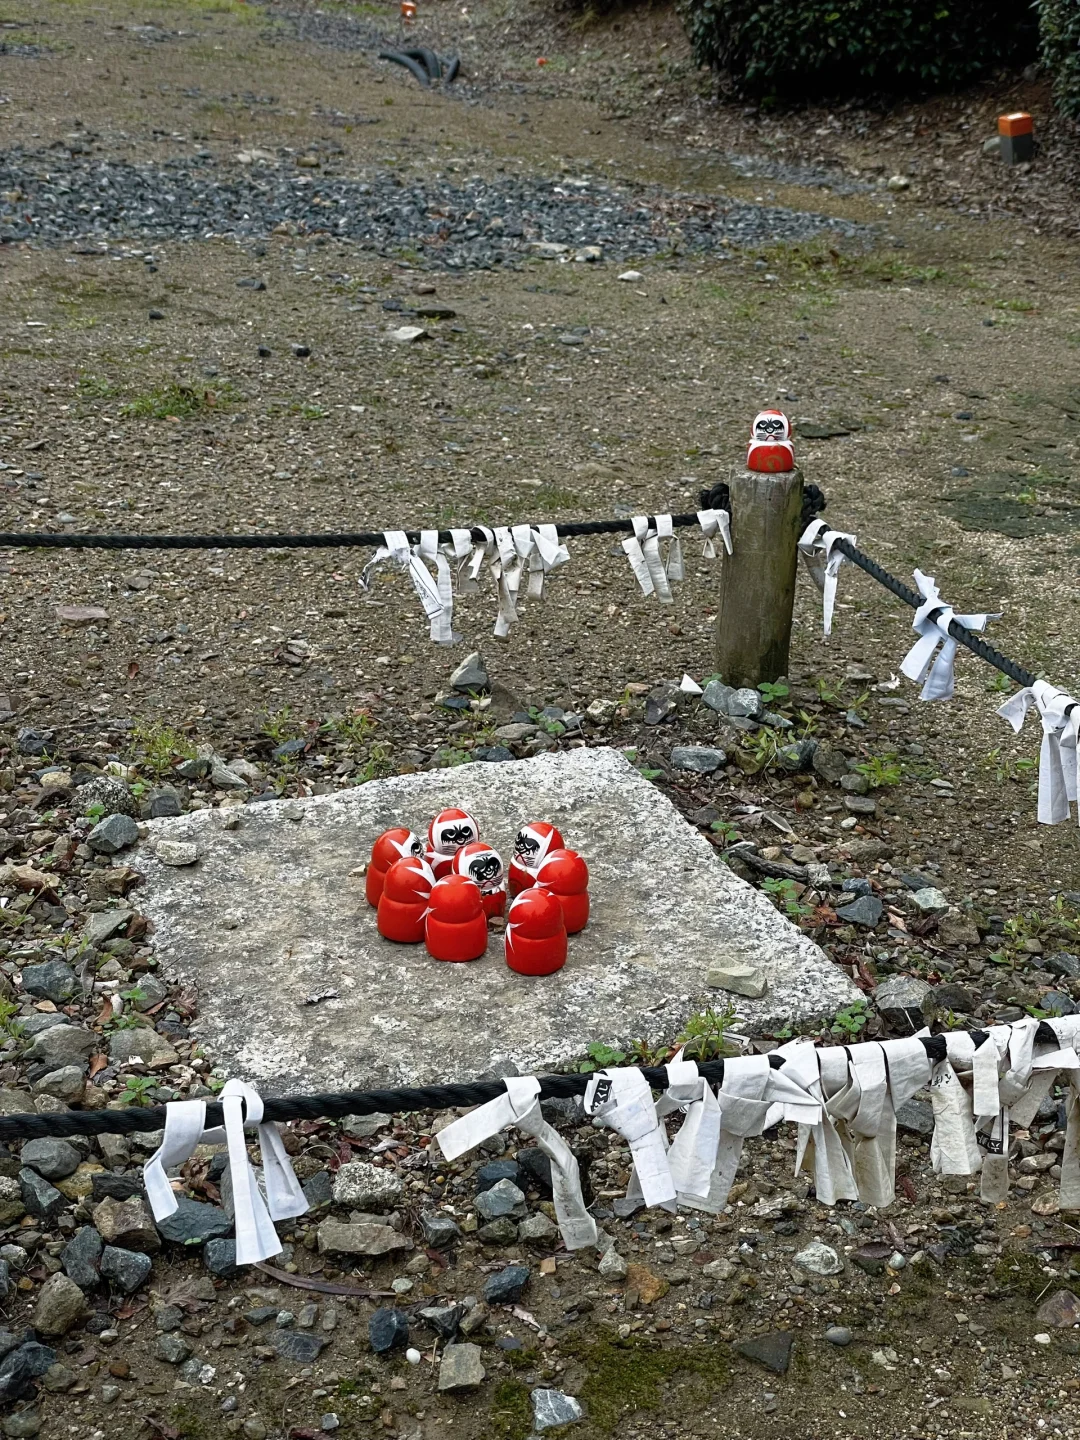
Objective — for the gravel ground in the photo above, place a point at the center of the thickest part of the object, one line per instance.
(149, 385)
(477, 224)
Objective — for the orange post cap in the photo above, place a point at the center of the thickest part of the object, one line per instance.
(1018, 123)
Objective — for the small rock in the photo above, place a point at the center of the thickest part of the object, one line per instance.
(746, 703)
(838, 1335)
(899, 182)
(67, 1084)
(537, 1230)
(362, 1127)
(81, 1257)
(865, 911)
(502, 1198)
(193, 1223)
(115, 832)
(440, 1231)
(219, 1257)
(128, 1225)
(336, 1238)
(111, 795)
(830, 764)
(52, 980)
(443, 1319)
(662, 703)
(30, 741)
(173, 1349)
(387, 1329)
(51, 1158)
(61, 1045)
(773, 1351)
(916, 1116)
(126, 1269)
(630, 276)
(300, 1346)
(105, 925)
(952, 996)
(930, 900)
(737, 977)
(165, 804)
(461, 1368)
(23, 1364)
(901, 1000)
(506, 1286)
(176, 852)
(1061, 1311)
(819, 1259)
(649, 1286)
(872, 1257)
(471, 675)
(860, 805)
(23, 1423)
(552, 1407)
(142, 1043)
(719, 1270)
(612, 1265)
(408, 334)
(41, 1199)
(502, 1231)
(60, 1305)
(699, 759)
(367, 1187)
(496, 1170)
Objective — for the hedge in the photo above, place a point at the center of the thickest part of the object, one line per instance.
(1059, 35)
(823, 48)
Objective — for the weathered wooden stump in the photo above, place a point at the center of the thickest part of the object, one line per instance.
(757, 585)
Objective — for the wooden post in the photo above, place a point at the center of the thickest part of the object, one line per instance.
(757, 584)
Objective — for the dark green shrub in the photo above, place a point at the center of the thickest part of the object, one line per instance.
(1059, 36)
(801, 48)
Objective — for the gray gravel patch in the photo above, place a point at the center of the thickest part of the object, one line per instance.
(478, 223)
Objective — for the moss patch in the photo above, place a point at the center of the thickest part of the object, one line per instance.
(625, 1376)
(511, 1411)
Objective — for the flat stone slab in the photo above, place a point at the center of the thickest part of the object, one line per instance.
(270, 915)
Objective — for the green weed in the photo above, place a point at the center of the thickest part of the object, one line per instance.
(600, 1057)
(137, 1090)
(161, 746)
(176, 402)
(847, 1024)
(706, 1035)
(784, 894)
(881, 770)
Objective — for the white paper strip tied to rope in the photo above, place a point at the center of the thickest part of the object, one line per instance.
(253, 1217)
(520, 1107)
(925, 661)
(714, 523)
(643, 551)
(623, 1100)
(396, 547)
(816, 545)
(691, 1156)
(1058, 754)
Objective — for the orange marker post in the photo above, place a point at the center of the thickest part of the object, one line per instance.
(1016, 134)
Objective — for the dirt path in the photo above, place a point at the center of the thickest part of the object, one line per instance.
(157, 377)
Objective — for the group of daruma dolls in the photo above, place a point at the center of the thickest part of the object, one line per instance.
(444, 892)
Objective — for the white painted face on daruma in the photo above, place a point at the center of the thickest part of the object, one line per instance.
(450, 830)
(770, 425)
(480, 863)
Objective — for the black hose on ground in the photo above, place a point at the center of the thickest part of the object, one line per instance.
(452, 70)
(413, 66)
(428, 59)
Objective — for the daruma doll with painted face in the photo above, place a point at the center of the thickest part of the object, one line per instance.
(531, 846)
(391, 846)
(447, 833)
(404, 901)
(478, 862)
(770, 449)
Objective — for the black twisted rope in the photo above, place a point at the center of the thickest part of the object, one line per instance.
(813, 503)
(970, 638)
(337, 1104)
(38, 540)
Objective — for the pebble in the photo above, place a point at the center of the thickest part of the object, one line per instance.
(127, 1269)
(699, 759)
(553, 1407)
(387, 1329)
(930, 900)
(53, 980)
(865, 911)
(219, 1257)
(819, 1259)
(440, 1231)
(299, 1346)
(507, 1285)
(81, 1257)
(838, 1335)
(773, 1350)
(496, 1170)
(54, 1159)
(176, 852)
(737, 977)
(41, 1199)
(461, 1368)
(173, 1349)
(367, 1187)
(612, 1265)
(502, 1198)
(413, 1356)
(115, 832)
(60, 1305)
(193, 1222)
(22, 1423)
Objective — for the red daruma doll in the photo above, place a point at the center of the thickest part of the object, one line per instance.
(477, 861)
(770, 449)
(391, 846)
(532, 844)
(535, 933)
(447, 833)
(456, 926)
(564, 874)
(404, 901)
